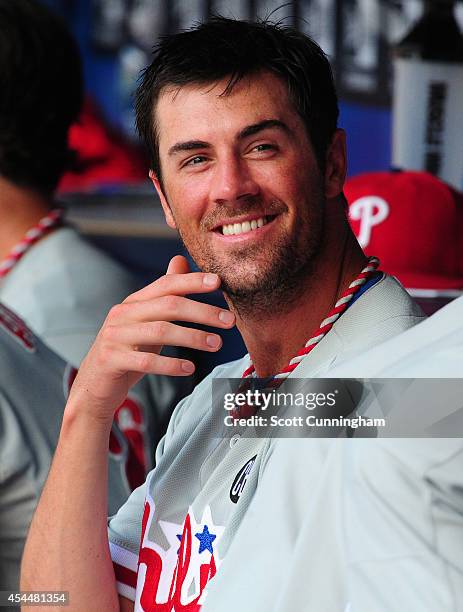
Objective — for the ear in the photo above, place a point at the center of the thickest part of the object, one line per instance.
(336, 165)
(164, 203)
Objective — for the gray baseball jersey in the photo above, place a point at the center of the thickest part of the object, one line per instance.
(379, 526)
(63, 288)
(34, 384)
(174, 533)
(433, 349)
(349, 526)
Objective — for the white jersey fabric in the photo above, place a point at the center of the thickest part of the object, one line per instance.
(63, 288)
(34, 384)
(189, 510)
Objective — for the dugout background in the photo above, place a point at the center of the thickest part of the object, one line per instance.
(115, 37)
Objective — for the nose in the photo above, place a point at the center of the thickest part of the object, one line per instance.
(232, 180)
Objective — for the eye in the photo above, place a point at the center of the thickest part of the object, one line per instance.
(195, 161)
(263, 150)
(264, 147)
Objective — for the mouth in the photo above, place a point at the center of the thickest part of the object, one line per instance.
(235, 228)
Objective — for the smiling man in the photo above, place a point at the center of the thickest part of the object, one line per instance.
(240, 120)
(265, 215)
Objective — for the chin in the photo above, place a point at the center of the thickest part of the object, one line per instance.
(236, 279)
(246, 287)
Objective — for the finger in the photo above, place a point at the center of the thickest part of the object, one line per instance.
(177, 284)
(178, 265)
(149, 363)
(172, 308)
(161, 333)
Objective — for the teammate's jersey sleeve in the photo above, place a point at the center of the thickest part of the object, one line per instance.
(31, 406)
(17, 492)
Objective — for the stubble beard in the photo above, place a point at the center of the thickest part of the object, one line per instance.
(273, 276)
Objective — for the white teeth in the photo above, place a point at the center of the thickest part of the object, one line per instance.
(240, 228)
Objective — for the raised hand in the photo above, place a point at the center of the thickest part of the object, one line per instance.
(134, 332)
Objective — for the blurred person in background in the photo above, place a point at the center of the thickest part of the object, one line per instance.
(61, 285)
(34, 384)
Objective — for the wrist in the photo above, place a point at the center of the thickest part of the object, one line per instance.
(80, 413)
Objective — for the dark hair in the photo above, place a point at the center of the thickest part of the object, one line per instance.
(221, 48)
(41, 94)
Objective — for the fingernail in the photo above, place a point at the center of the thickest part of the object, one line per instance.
(213, 341)
(210, 279)
(188, 367)
(226, 316)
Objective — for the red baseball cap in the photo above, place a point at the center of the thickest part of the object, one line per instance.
(413, 222)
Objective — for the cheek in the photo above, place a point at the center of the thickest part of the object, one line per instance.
(292, 189)
(188, 200)
(276, 182)
(293, 185)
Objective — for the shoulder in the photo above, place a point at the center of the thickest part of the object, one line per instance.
(70, 249)
(64, 288)
(65, 251)
(383, 311)
(385, 300)
(431, 349)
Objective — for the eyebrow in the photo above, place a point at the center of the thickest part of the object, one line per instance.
(263, 125)
(190, 145)
(250, 130)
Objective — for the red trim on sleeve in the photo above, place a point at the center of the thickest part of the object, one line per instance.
(125, 575)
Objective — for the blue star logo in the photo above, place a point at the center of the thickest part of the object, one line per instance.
(205, 540)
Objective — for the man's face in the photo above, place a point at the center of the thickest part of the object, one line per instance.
(241, 184)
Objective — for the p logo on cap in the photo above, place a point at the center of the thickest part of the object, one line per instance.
(413, 222)
(368, 211)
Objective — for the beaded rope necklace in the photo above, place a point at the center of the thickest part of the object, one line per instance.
(339, 308)
(51, 220)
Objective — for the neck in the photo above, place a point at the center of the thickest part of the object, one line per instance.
(272, 340)
(20, 209)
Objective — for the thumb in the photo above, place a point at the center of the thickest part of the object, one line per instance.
(178, 265)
